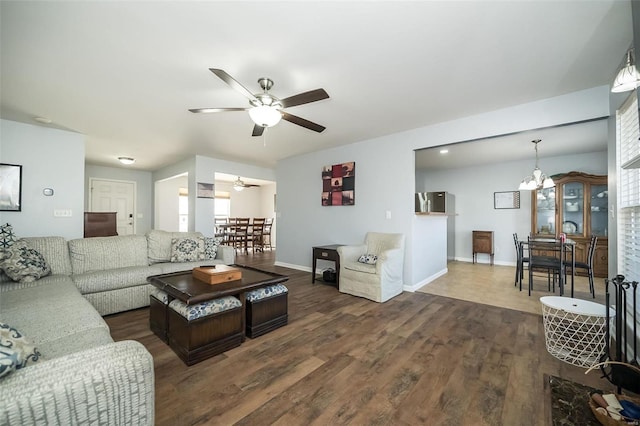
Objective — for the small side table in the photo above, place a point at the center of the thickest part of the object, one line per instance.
(329, 252)
(482, 243)
(575, 329)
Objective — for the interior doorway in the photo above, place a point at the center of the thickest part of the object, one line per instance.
(118, 196)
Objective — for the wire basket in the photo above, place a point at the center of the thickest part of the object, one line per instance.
(574, 338)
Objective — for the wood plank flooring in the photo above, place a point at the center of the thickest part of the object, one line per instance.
(419, 359)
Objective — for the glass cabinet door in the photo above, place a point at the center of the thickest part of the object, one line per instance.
(546, 211)
(573, 208)
(599, 209)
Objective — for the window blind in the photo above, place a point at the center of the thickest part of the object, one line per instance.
(628, 221)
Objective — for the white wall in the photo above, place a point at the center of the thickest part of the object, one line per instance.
(166, 195)
(144, 191)
(385, 177)
(50, 158)
(473, 188)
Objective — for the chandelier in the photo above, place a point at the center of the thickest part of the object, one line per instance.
(537, 179)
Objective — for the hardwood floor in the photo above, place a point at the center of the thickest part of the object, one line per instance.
(419, 359)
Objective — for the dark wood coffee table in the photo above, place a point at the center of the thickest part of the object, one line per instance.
(196, 340)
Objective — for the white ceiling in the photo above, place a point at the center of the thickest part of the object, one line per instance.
(583, 137)
(125, 73)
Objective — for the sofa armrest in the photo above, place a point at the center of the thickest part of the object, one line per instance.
(351, 253)
(226, 254)
(391, 261)
(110, 384)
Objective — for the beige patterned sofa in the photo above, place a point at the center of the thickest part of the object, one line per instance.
(83, 376)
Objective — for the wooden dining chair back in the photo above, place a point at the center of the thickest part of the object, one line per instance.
(588, 265)
(256, 237)
(547, 257)
(238, 233)
(522, 257)
(219, 230)
(266, 233)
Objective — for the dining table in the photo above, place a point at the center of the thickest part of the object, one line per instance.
(568, 256)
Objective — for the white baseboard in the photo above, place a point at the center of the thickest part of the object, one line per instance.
(293, 266)
(414, 287)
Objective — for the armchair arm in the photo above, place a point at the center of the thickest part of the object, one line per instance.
(227, 254)
(110, 384)
(351, 253)
(391, 262)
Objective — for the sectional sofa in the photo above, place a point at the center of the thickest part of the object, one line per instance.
(79, 374)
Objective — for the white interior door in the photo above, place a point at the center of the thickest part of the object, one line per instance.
(115, 196)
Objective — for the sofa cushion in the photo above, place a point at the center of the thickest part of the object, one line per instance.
(25, 351)
(187, 249)
(107, 253)
(55, 317)
(159, 244)
(211, 247)
(23, 263)
(265, 292)
(55, 251)
(112, 279)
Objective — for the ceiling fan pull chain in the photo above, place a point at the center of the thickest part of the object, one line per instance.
(264, 137)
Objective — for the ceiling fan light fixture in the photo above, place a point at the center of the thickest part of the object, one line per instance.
(238, 184)
(628, 77)
(265, 116)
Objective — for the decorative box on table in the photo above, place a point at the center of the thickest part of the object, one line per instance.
(217, 274)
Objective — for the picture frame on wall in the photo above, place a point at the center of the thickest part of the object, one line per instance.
(506, 200)
(10, 187)
(205, 190)
(338, 184)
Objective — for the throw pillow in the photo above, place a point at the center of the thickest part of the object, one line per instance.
(211, 247)
(8, 361)
(22, 351)
(369, 259)
(7, 238)
(24, 264)
(187, 249)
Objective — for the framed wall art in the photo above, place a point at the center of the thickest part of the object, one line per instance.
(338, 184)
(506, 200)
(10, 187)
(205, 190)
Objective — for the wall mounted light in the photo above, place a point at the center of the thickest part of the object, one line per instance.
(628, 77)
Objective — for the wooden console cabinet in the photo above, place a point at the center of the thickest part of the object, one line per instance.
(483, 243)
(99, 224)
(578, 205)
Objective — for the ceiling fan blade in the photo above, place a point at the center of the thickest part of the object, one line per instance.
(199, 110)
(233, 83)
(304, 98)
(257, 130)
(302, 122)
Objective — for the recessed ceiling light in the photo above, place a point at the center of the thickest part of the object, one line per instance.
(43, 120)
(444, 151)
(126, 160)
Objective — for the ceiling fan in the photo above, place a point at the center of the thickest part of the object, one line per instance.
(266, 110)
(239, 184)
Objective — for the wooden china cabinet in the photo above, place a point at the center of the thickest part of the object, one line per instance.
(578, 205)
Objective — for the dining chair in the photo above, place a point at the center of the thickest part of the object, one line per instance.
(550, 258)
(266, 233)
(256, 235)
(220, 231)
(238, 233)
(588, 265)
(522, 257)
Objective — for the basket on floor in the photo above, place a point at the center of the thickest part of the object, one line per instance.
(610, 421)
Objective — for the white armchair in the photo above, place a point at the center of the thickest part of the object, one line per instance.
(380, 281)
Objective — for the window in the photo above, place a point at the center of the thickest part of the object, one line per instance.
(628, 221)
(183, 210)
(628, 149)
(222, 204)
